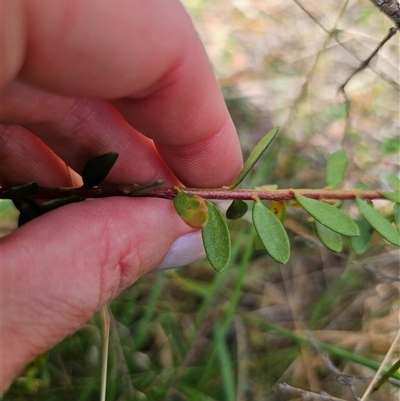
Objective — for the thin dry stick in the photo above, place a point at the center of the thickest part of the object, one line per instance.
(294, 392)
(380, 275)
(304, 89)
(106, 338)
(380, 74)
(346, 380)
(365, 63)
(371, 385)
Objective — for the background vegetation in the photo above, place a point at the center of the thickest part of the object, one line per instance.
(193, 334)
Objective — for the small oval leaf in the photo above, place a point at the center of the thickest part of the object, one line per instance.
(361, 243)
(216, 238)
(392, 196)
(141, 190)
(330, 239)
(28, 211)
(236, 210)
(393, 181)
(192, 208)
(21, 190)
(271, 232)
(254, 156)
(378, 222)
(336, 167)
(56, 203)
(396, 217)
(278, 208)
(328, 215)
(97, 169)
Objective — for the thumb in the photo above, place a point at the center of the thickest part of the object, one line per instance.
(59, 269)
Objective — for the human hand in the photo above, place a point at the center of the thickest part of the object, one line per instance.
(60, 61)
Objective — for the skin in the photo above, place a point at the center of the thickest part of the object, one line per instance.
(78, 79)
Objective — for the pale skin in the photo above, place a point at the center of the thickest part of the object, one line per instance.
(78, 79)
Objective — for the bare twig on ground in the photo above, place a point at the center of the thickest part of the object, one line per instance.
(346, 380)
(294, 392)
(365, 63)
(379, 275)
(382, 75)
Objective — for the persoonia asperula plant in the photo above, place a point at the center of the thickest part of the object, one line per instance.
(196, 209)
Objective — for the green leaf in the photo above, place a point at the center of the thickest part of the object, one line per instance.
(20, 191)
(258, 245)
(271, 232)
(28, 211)
(392, 196)
(97, 169)
(393, 181)
(391, 145)
(396, 217)
(336, 167)
(216, 239)
(192, 208)
(142, 190)
(330, 239)
(378, 222)
(56, 203)
(328, 215)
(254, 156)
(236, 210)
(361, 243)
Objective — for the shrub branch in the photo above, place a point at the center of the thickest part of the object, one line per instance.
(206, 193)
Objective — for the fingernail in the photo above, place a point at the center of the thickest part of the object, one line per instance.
(184, 250)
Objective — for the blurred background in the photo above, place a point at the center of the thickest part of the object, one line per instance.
(323, 321)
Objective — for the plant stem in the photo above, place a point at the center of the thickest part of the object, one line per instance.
(206, 193)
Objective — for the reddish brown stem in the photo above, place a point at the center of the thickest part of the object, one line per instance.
(207, 193)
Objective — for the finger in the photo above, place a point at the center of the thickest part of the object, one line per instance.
(174, 98)
(60, 269)
(99, 49)
(184, 250)
(12, 39)
(76, 130)
(25, 158)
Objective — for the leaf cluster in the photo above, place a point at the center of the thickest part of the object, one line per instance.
(94, 173)
(330, 222)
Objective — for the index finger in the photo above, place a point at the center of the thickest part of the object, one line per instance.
(146, 56)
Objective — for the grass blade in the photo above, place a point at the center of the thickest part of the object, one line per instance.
(225, 362)
(106, 341)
